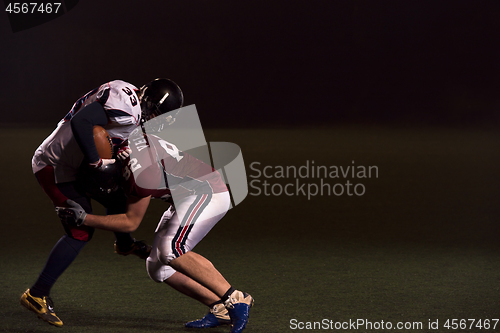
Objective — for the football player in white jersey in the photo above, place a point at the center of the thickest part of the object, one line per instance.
(119, 107)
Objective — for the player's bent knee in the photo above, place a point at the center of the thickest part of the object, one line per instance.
(166, 258)
(157, 271)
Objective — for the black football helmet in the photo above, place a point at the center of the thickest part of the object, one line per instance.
(158, 97)
(100, 183)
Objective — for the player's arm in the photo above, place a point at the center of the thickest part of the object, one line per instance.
(127, 222)
(82, 124)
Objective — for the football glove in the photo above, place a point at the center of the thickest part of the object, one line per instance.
(124, 152)
(102, 163)
(73, 215)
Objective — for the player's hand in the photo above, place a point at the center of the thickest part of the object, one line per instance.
(123, 153)
(167, 216)
(73, 215)
(169, 213)
(102, 163)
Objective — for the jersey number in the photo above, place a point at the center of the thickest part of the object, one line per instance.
(171, 150)
(133, 165)
(129, 92)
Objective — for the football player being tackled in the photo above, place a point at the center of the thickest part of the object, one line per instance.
(63, 154)
(200, 200)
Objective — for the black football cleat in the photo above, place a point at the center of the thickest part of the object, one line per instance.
(137, 248)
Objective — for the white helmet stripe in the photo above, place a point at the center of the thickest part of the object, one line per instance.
(163, 99)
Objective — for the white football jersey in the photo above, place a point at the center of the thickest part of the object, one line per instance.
(60, 148)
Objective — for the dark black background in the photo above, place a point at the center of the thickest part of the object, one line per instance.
(266, 62)
(409, 86)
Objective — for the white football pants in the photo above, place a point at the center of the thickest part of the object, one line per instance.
(175, 235)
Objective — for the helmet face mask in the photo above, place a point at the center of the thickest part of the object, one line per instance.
(159, 123)
(158, 97)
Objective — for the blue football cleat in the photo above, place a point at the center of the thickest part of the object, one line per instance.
(217, 316)
(238, 306)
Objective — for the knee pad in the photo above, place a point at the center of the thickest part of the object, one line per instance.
(157, 271)
(167, 252)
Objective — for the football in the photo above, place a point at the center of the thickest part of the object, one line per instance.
(103, 142)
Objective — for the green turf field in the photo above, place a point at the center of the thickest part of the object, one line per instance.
(422, 243)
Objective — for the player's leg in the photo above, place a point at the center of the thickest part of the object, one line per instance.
(217, 314)
(196, 216)
(236, 302)
(203, 271)
(37, 298)
(160, 272)
(191, 288)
